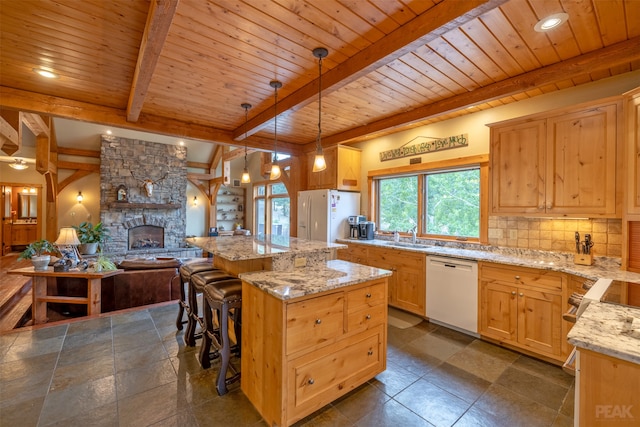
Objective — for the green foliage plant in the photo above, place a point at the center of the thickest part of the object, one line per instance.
(89, 233)
(37, 248)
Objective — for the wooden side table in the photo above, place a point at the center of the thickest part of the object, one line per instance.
(41, 298)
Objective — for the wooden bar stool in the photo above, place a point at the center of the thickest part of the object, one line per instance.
(225, 298)
(196, 286)
(186, 270)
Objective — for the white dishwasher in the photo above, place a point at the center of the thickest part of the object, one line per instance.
(452, 293)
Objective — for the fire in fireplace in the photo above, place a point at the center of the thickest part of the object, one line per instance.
(146, 237)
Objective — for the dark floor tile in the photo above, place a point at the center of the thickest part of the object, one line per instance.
(482, 360)
(567, 407)
(476, 417)
(562, 421)
(514, 409)
(415, 360)
(104, 416)
(361, 401)
(88, 337)
(140, 357)
(136, 327)
(25, 388)
(78, 399)
(25, 367)
(453, 336)
(187, 363)
(435, 405)
(457, 381)
(135, 381)
(90, 325)
(6, 341)
(129, 316)
(77, 373)
(33, 348)
(41, 333)
(544, 370)
(394, 379)
(435, 345)
(130, 341)
(535, 388)
(392, 414)
(182, 419)
(21, 413)
(232, 409)
(199, 387)
(152, 406)
(328, 416)
(400, 337)
(85, 352)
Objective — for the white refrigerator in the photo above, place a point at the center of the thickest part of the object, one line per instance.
(322, 214)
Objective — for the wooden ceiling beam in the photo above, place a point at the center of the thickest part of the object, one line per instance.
(428, 26)
(78, 152)
(237, 153)
(617, 54)
(79, 166)
(161, 13)
(35, 123)
(75, 110)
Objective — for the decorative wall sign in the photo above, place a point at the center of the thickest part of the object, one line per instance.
(436, 144)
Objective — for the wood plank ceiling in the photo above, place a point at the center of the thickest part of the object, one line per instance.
(184, 67)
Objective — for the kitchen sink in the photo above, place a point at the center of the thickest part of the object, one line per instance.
(407, 245)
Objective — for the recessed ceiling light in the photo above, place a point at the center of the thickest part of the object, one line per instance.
(181, 143)
(551, 21)
(109, 132)
(45, 73)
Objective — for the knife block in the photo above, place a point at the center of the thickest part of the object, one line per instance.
(583, 259)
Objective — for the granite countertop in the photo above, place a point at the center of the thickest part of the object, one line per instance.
(236, 248)
(603, 267)
(299, 282)
(610, 329)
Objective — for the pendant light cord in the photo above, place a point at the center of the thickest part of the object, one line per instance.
(319, 137)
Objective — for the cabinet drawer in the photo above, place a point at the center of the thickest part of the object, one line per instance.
(366, 317)
(320, 379)
(314, 322)
(523, 276)
(365, 297)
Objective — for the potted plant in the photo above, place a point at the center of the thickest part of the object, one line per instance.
(90, 236)
(39, 252)
(102, 263)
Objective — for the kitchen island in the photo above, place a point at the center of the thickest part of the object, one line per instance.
(311, 335)
(238, 254)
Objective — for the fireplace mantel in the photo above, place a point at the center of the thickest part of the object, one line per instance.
(127, 205)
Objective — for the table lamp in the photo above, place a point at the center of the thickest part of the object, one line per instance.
(67, 244)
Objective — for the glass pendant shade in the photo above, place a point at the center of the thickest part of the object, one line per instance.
(275, 171)
(246, 178)
(319, 163)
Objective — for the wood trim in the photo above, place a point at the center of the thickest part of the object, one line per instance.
(439, 164)
(78, 152)
(74, 177)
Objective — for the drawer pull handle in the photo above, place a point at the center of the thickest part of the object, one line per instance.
(370, 352)
(311, 381)
(368, 295)
(368, 316)
(513, 292)
(318, 321)
(521, 294)
(517, 277)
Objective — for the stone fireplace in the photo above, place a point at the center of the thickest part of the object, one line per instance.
(143, 224)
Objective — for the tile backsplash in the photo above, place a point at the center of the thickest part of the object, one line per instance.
(556, 235)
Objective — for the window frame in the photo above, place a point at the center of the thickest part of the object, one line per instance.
(268, 198)
(423, 169)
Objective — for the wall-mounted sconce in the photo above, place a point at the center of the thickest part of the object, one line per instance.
(195, 200)
(79, 197)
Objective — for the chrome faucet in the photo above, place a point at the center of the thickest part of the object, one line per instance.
(413, 234)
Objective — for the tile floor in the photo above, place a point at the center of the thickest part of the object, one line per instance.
(132, 369)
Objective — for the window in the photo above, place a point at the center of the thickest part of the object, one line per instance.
(439, 203)
(272, 209)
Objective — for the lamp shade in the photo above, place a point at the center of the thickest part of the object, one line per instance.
(67, 237)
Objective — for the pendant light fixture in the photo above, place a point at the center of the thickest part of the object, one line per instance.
(246, 178)
(319, 164)
(275, 167)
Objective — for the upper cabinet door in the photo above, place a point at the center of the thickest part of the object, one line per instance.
(632, 119)
(517, 167)
(581, 162)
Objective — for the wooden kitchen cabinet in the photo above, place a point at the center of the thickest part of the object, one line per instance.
(522, 307)
(407, 284)
(560, 163)
(23, 234)
(301, 354)
(632, 121)
(342, 172)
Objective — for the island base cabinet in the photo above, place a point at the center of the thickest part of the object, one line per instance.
(301, 354)
(606, 391)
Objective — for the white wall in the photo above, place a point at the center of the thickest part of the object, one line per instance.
(475, 125)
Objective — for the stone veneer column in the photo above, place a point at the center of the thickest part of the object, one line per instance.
(128, 162)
